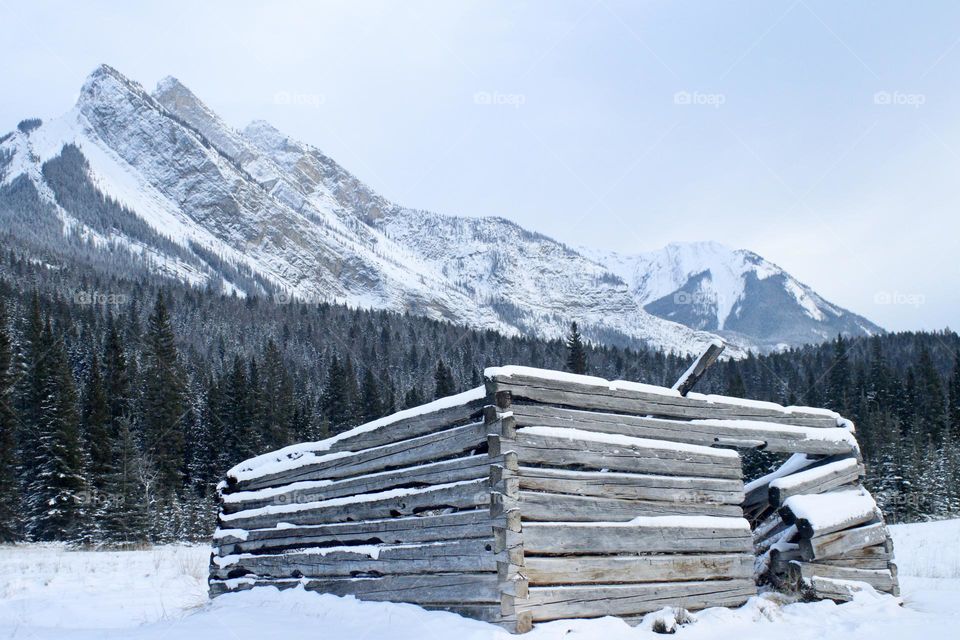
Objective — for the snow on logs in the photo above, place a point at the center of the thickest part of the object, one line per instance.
(546, 495)
(823, 533)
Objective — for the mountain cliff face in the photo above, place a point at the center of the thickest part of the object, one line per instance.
(161, 177)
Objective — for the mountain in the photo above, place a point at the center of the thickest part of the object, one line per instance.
(732, 292)
(160, 178)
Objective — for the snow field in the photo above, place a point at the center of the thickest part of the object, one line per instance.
(47, 593)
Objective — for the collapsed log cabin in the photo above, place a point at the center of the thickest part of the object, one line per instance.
(546, 495)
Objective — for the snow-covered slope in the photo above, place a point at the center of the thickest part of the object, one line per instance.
(708, 286)
(257, 212)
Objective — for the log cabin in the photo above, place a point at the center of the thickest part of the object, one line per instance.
(545, 495)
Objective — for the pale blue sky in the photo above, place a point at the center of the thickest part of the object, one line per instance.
(566, 118)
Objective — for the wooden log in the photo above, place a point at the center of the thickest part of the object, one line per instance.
(879, 579)
(755, 434)
(648, 535)
(427, 588)
(534, 449)
(553, 570)
(374, 506)
(545, 507)
(819, 479)
(820, 514)
(840, 543)
(429, 448)
(468, 468)
(699, 367)
(412, 529)
(592, 601)
(601, 397)
(412, 427)
(452, 556)
(631, 486)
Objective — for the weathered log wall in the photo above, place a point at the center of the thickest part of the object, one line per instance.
(545, 495)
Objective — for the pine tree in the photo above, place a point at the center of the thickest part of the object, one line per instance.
(116, 375)
(576, 353)
(413, 398)
(10, 524)
(163, 402)
(125, 511)
(277, 398)
(370, 401)
(335, 402)
(735, 386)
(839, 378)
(443, 381)
(96, 421)
(954, 395)
(59, 496)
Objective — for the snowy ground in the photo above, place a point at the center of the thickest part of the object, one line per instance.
(47, 592)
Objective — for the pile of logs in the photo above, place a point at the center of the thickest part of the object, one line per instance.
(819, 531)
(545, 495)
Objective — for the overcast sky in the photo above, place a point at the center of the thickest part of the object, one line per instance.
(822, 135)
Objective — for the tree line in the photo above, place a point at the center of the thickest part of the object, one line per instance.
(124, 399)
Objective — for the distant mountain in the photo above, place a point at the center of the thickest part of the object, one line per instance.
(254, 212)
(732, 292)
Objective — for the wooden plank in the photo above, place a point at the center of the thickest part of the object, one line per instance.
(631, 486)
(412, 529)
(545, 507)
(592, 601)
(458, 496)
(446, 471)
(879, 579)
(585, 454)
(428, 448)
(427, 588)
(840, 543)
(770, 436)
(602, 397)
(819, 479)
(699, 367)
(461, 556)
(552, 570)
(413, 427)
(568, 538)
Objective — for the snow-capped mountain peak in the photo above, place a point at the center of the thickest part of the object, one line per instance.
(259, 212)
(709, 286)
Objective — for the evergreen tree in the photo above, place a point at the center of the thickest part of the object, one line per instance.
(58, 498)
(116, 376)
(735, 386)
(335, 401)
(443, 381)
(277, 397)
(412, 398)
(576, 353)
(96, 422)
(954, 395)
(839, 378)
(9, 492)
(370, 403)
(163, 400)
(125, 510)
